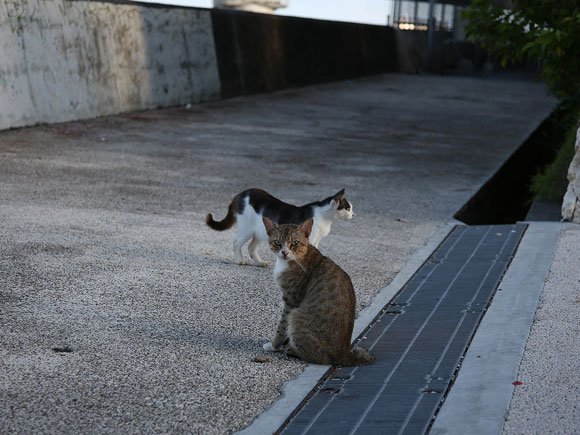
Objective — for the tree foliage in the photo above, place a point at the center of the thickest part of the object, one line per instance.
(546, 31)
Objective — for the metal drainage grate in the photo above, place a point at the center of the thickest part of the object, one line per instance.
(418, 341)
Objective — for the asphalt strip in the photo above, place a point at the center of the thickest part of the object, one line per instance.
(480, 397)
(295, 390)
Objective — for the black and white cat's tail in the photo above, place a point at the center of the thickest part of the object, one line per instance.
(227, 222)
(358, 357)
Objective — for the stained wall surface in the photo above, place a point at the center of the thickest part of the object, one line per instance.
(64, 60)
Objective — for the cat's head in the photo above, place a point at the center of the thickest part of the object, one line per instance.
(288, 241)
(342, 206)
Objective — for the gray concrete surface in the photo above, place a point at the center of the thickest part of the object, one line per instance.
(481, 394)
(103, 248)
(548, 401)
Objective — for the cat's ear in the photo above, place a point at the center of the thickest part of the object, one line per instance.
(306, 227)
(339, 196)
(270, 225)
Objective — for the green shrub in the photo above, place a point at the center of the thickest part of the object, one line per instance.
(546, 31)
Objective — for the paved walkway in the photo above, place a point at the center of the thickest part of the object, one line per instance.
(122, 312)
(548, 399)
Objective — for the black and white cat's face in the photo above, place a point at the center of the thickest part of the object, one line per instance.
(344, 210)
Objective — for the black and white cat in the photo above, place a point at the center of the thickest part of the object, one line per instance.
(248, 208)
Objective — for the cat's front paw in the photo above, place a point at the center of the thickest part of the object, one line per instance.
(269, 347)
(242, 263)
(261, 264)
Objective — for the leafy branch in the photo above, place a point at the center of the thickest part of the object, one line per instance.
(545, 31)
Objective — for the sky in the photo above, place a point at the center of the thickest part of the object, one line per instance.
(358, 11)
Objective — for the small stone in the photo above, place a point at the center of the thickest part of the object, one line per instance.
(261, 359)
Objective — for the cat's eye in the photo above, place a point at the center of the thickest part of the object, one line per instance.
(276, 243)
(295, 243)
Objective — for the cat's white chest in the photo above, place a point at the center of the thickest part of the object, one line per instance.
(322, 222)
(279, 267)
(323, 227)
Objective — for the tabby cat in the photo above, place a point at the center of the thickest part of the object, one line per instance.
(248, 208)
(319, 300)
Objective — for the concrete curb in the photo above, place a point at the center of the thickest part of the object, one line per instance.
(295, 390)
(479, 399)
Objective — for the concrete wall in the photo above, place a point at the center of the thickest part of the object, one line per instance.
(63, 60)
(260, 53)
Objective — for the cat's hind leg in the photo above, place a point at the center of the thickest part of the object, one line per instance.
(305, 340)
(295, 350)
(293, 353)
(242, 238)
(253, 250)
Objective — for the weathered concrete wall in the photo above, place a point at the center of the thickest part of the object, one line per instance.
(63, 60)
(571, 202)
(260, 53)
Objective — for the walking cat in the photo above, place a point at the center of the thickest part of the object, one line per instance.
(319, 300)
(248, 208)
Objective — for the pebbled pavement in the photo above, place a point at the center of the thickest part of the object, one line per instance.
(120, 311)
(548, 401)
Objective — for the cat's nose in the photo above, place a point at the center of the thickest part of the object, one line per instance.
(285, 252)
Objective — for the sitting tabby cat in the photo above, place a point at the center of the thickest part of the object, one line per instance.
(319, 300)
(248, 208)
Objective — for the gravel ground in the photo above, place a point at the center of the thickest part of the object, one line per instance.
(122, 312)
(548, 401)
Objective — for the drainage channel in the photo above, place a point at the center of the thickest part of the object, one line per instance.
(418, 340)
(506, 197)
